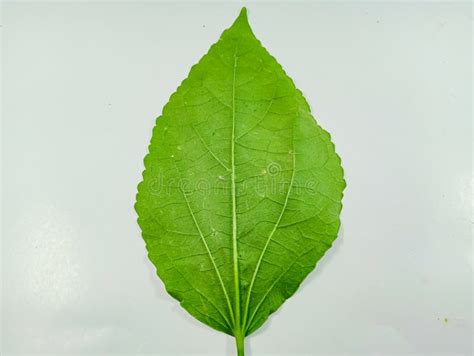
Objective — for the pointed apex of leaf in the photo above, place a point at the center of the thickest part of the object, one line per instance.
(243, 15)
(242, 21)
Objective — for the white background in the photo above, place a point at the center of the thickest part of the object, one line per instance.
(82, 85)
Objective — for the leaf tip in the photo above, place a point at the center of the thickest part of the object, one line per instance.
(242, 20)
(243, 13)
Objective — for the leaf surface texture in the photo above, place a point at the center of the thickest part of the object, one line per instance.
(242, 190)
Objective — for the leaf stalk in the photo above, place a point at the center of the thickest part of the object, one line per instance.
(240, 343)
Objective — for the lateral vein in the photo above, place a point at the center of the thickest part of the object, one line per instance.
(209, 150)
(257, 267)
(205, 245)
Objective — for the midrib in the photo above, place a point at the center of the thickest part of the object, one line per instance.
(237, 325)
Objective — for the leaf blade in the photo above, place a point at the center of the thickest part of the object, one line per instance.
(236, 124)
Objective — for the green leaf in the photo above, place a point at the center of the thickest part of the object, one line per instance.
(242, 190)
